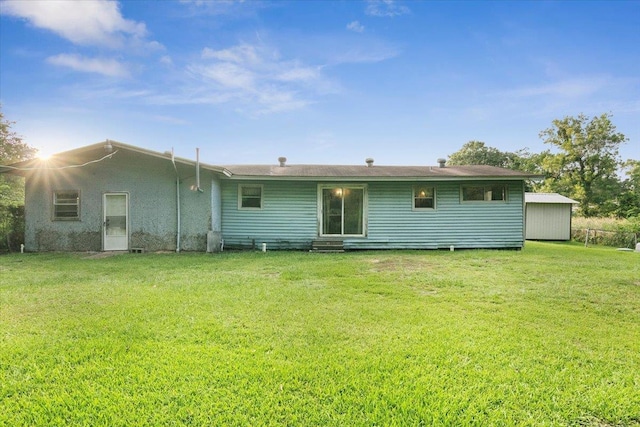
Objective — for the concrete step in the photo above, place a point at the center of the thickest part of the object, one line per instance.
(327, 245)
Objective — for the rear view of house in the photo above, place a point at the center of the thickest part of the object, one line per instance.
(373, 207)
(113, 196)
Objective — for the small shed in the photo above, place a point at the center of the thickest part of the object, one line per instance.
(547, 216)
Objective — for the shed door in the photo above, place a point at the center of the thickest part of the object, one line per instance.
(116, 222)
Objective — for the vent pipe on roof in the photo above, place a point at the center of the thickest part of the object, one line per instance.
(283, 161)
(441, 162)
(108, 147)
(369, 161)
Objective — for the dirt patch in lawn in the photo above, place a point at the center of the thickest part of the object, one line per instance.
(100, 255)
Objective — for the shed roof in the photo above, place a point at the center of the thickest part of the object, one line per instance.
(362, 172)
(547, 198)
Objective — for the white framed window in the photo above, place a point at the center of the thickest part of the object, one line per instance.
(424, 197)
(250, 196)
(484, 193)
(66, 205)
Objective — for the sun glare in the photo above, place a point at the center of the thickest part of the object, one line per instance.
(44, 156)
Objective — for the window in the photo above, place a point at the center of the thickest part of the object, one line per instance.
(484, 193)
(343, 210)
(424, 197)
(250, 197)
(66, 205)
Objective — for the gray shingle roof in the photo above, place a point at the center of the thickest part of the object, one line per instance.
(373, 172)
(89, 153)
(289, 172)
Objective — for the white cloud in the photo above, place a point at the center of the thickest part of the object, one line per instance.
(355, 26)
(227, 75)
(276, 100)
(365, 54)
(386, 8)
(234, 8)
(256, 78)
(87, 22)
(104, 66)
(169, 119)
(166, 60)
(210, 3)
(241, 54)
(569, 88)
(293, 73)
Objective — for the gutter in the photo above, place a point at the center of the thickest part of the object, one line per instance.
(376, 179)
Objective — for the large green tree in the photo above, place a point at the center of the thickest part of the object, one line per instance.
(586, 162)
(12, 149)
(478, 153)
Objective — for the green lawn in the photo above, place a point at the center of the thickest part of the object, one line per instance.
(545, 336)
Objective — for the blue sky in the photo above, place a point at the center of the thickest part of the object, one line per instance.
(316, 81)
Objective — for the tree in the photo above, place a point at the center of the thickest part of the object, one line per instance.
(628, 203)
(586, 164)
(12, 149)
(477, 153)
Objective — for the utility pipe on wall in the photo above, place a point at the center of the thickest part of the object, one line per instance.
(177, 201)
(198, 171)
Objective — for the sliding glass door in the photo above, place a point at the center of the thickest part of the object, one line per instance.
(343, 210)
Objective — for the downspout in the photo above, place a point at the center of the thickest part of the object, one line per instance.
(177, 201)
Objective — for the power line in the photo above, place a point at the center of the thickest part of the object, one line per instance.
(44, 167)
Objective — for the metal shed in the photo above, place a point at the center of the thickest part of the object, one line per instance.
(547, 216)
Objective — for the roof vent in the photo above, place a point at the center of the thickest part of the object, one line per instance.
(369, 161)
(283, 161)
(441, 162)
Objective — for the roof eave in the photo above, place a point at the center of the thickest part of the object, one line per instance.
(377, 178)
(32, 163)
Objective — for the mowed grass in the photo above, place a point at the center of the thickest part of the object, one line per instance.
(545, 336)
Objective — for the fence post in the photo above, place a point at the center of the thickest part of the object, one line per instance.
(586, 239)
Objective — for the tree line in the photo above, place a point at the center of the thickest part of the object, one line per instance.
(583, 163)
(12, 149)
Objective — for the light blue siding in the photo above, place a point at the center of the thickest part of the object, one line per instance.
(289, 218)
(392, 222)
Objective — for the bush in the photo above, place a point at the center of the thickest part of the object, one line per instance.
(11, 228)
(622, 233)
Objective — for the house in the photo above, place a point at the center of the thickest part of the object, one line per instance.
(548, 216)
(113, 196)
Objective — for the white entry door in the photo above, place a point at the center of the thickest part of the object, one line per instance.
(116, 222)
